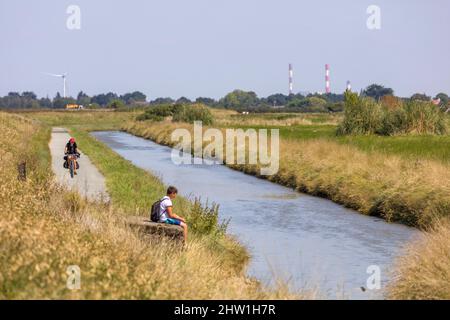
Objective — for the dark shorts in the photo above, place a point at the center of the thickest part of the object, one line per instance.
(173, 221)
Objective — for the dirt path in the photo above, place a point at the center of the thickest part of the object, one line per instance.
(89, 182)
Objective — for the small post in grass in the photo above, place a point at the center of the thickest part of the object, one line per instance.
(22, 169)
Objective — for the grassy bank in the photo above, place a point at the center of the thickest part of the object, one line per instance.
(423, 273)
(44, 229)
(410, 192)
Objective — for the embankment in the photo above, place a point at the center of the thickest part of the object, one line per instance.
(423, 272)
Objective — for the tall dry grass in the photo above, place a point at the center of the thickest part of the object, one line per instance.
(44, 229)
(424, 272)
(280, 120)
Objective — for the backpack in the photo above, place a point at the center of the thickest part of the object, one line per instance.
(66, 164)
(155, 212)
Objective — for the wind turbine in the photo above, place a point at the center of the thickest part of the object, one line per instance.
(63, 76)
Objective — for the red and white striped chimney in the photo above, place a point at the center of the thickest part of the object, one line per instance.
(291, 77)
(327, 78)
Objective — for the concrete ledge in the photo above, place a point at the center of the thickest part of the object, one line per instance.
(145, 226)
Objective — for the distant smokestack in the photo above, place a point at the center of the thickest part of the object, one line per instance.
(327, 78)
(349, 86)
(291, 77)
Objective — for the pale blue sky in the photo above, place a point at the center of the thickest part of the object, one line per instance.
(210, 47)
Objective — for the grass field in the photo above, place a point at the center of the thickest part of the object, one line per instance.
(431, 147)
(87, 120)
(45, 229)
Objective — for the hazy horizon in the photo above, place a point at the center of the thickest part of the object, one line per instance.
(197, 48)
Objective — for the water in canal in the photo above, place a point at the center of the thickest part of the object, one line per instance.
(307, 241)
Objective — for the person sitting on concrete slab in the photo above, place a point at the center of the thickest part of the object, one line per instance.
(166, 213)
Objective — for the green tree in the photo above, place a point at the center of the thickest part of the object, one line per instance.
(277, 99)
(116, 104)
(29, 95)
(45, 102)
(309, 104)
(377, 91)
(444, 99)
(296, 103)
(206, 101)
(332, 97)
(134, 97)
(183, 100)
(104, 99)
(60, 103)
(162, 101)
(83, 99)
(420, 97)
(193, 112)
(239, 99)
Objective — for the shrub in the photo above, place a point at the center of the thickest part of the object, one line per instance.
(390, 117)
(315, 101)
(413, 117)
(335, 107)
(391, 102)
(116, 104)
(194, 112)
(361, 115)
(309, 104)
(424, 118)
(394, 121)
(179, 113)
(159, 112)
(204, 219)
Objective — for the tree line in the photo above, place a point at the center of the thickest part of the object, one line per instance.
(239, 100)
(29, 100)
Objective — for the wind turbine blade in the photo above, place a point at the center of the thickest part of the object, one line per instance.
(52, 74)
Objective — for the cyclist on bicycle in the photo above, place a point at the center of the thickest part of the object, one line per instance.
(72, 149)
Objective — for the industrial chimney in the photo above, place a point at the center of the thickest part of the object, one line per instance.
(349, 86)
(327, 78)
(291, 76)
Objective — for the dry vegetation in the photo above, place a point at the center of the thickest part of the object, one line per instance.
(279, 119)
(44, 229)
(424, 272)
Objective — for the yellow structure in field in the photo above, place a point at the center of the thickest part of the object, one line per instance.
(73, 107)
